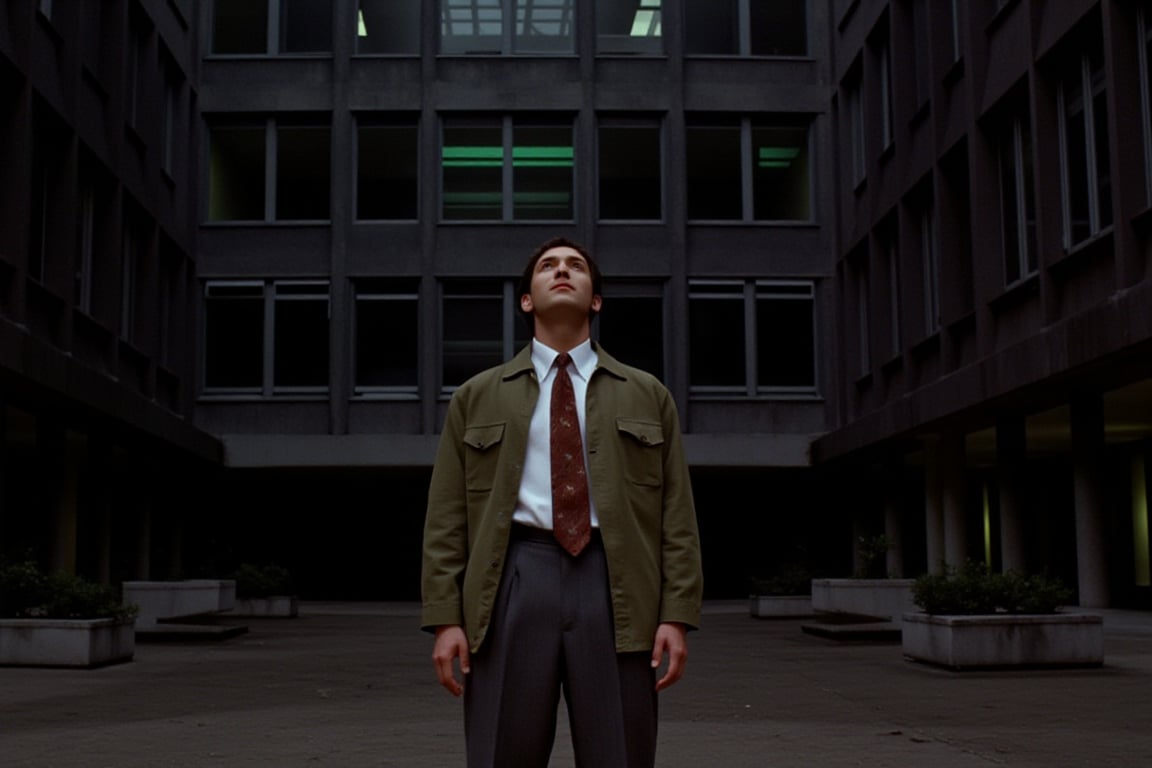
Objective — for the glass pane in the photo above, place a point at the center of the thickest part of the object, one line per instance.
(234, 342)
(1101, 145)
(1076, 158)
(473, 166)
(386, 181)
(542, 172)
(778, 27)
(306, 26)
(302, 172)
(711, 27)
(630, 172)
(632, 330)
(544, 26)
(240, 26)
(301, 343)
(386, 342)
(236, 173)
(786, 341)
(471, 26)
(629, 26)
(388, 26)
(780, 178)
(1009, 215)
(716, 343)
(473, 334)
(714, 185)
(1031, 252)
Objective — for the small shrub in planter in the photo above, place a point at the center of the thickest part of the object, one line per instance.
(972, 589)
(255, 581)
(27, 592)
(790, 580)
(873, 557)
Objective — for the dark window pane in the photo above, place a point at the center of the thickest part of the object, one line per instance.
(236, 173)
(714, 182)
(630, 172)
(386, 341)
(1076, 138)
(234, 340)
(302, 172)
(473, 331)
(301, 343)
(778, 27)
(632, 330)
(386, 172)
(471, 26)
(716, 343)
(542, 172)
(388, 26)
(780, 179)
(473, 163)
(786, 341)
(544, 26)
(240, 26)
(629, 26)
(711, 27)
(306, 26)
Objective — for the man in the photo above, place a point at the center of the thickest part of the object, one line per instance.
(576, 572)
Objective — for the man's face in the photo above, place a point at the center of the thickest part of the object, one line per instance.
(561, 284)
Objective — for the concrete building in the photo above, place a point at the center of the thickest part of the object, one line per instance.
(892, 267)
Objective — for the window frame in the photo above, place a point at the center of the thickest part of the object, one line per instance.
(509, 35)
(1091, 85)
(384, 290)
(510, 320)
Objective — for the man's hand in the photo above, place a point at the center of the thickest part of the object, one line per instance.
(671, 641)
(450, 645)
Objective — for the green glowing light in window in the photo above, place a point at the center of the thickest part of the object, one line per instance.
(493, 157)
(777, 157)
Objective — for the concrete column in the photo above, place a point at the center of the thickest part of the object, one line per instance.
(61, 453)
(933, 504)
(894, 521)
(952, 498)
(1011, 455)
(143, 506)
(1087, 413)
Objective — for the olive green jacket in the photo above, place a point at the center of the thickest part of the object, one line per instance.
(639, 483)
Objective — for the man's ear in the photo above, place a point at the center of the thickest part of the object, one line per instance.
(526, 303)
(597, 300)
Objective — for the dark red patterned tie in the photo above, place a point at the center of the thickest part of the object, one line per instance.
(571, 518)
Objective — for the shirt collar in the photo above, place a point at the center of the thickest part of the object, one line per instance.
(583, 356)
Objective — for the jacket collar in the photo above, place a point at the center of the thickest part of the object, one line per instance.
(522, 364)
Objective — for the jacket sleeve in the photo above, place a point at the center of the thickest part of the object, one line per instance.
(682, 581)
(445, 553)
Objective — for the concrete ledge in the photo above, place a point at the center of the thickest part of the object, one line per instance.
(1005, 640)
(159, 600)
(780, 606)
(84, 643)
(886, 599)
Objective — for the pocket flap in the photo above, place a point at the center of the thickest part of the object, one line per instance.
(644, 432)
(484, 437)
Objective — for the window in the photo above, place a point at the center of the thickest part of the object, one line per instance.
(925, 216)
(242, 27)
(507, 26)
(241, 186)
(1017, 200)
(629, 26)
(630, 177)
(921, 51)
(752, 337)
(172, 120)
(862, 279)
(481, 326)
(630, 325)
(135, 266)
(854, 106)
(1144, 25)
(48, 206)
(388, 26)
(746, 27)
(387, 336)
(957, 6)
(266, 337)
(883, 53)
(507, 169)
(1087, 185)
(387, 170)
(890, 250)
(749, 169)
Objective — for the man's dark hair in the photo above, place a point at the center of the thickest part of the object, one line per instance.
(525, 285)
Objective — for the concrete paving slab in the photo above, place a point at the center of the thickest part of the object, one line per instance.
(352, 685)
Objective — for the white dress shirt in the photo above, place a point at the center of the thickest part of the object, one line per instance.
(534, 505)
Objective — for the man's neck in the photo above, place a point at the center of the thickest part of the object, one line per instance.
(563, 338)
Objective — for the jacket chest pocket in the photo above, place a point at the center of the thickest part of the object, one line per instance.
(481, 455)
(641, 449)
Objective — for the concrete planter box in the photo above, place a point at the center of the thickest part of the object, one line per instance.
(160, 600)
(66, 642)
(887, 599)
(277, 606)
(779, 606)
(1005, 640)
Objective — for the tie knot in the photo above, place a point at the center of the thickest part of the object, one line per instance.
(562, 361)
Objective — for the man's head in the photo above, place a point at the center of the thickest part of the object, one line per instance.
(560, 274)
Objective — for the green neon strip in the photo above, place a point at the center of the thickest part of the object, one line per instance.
(779, 153)
(473, 163)
(473, 153)
(542, 153)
